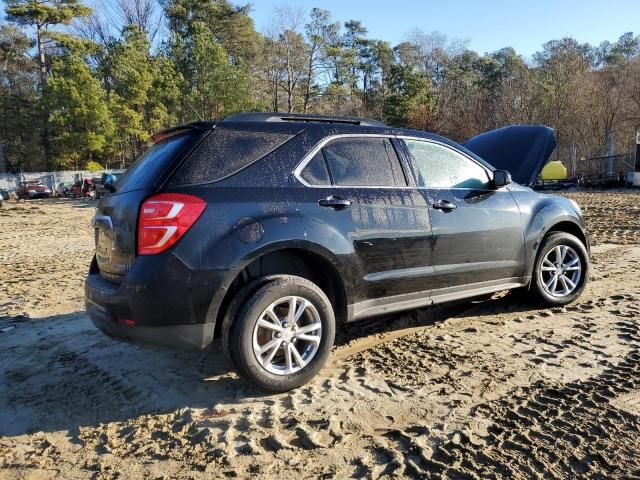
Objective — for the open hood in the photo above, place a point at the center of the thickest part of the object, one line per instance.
(521, 149)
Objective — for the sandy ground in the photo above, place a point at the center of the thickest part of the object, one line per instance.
(484, 389)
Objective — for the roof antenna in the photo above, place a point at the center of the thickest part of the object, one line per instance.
(195, 111)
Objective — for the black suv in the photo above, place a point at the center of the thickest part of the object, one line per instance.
(270, 230)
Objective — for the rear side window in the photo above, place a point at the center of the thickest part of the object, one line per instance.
(224, 152)
(150, 165)
(358, 162)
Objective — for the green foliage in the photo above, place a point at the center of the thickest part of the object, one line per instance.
(410, 104)
(19, 101)
(79, 117)
(211, 45)
(218, 86)
(229, 26)
(140, 87)
(45, 12)
(94, 166)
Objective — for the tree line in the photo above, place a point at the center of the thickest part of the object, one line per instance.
(79, 85)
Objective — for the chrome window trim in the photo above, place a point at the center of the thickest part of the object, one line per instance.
(297, 172)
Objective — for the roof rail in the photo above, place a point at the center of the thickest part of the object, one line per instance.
(305, 118)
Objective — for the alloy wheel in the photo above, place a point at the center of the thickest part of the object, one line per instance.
(287, 335)
(561, 271)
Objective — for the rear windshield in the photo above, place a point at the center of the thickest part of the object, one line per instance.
(151, 164)
(224, 152)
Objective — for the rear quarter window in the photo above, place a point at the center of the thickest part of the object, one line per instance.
(224, 152)
(316, 173)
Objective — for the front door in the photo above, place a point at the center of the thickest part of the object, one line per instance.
(477, 229)
(356, 199)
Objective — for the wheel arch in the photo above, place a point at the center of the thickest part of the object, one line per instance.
(571, 227)
(303, 259)
(561, 223)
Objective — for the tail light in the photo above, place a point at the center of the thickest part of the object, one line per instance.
(164, 218)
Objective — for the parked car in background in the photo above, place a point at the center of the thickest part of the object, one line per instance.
(64, 189)
(33, 189)
(270, 230)
(82, 189)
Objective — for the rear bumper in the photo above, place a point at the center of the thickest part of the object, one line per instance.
(160, 300)
(177, 336)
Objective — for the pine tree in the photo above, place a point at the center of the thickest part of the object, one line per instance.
(79, 118)
(139, 85)
(19, 133)
(410, 103)
(43, 14)
(218, 87)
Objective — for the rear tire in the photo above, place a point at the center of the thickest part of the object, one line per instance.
(239, 300)
(274, 349)
(561, 270)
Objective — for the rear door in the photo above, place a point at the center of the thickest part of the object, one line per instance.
(356, 200)
(115, 222)
(477, 229)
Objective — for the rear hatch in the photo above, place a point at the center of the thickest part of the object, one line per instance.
(115, 222)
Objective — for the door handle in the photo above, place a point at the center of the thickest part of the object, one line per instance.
(445, 205)
(334, 202)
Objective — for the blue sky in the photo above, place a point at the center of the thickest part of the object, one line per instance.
(487, 24)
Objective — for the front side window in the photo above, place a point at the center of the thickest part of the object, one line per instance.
(438, 166)
(356, 162)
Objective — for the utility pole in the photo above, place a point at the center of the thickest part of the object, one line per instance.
(610, 150)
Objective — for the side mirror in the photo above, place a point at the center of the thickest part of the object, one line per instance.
(501, 178)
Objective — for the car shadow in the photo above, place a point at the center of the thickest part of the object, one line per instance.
(61, 373)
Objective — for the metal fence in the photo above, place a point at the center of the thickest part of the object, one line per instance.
(609, 166)
(10, 182)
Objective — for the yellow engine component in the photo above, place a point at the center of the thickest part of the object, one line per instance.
(554, 171)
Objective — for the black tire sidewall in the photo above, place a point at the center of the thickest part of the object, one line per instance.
(550, 242)
(241, 333)
(239, 300)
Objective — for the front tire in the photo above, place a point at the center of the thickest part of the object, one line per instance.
(283, 335)
(561, 270)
